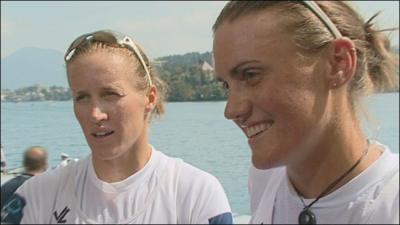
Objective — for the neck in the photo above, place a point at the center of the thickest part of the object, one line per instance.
(338, 149)
(123, 166)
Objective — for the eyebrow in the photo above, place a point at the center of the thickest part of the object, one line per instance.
(112, 88)
(106, 88)
(79, 93)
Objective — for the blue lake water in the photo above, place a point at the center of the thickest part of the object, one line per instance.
(194, 131)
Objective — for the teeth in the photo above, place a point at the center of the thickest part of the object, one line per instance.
(253, 130)
(102, 133)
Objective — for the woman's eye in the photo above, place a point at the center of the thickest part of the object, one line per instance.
(251, 76)
(248, 75)
(225, 85)
(80, 98)
(112, 95)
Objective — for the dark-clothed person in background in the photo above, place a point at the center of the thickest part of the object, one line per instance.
(3, 161)
(34, 162)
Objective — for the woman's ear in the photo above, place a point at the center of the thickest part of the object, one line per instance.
(343, 59)
(151, 98)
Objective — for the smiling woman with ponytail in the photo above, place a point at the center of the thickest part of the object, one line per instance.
(295, 74)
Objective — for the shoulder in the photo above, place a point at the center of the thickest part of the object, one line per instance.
(260, 180)
(200, 196)
(386, 204)
(255, 173)
(8, 189)
(387, 154)
(33, 202)
(14, 183)
(193, 177)
(51, 176)
(186, 175)
(385, 201)
(33, 194)
(200, 192)
(48, 182)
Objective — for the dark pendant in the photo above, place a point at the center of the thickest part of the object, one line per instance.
(307, 217)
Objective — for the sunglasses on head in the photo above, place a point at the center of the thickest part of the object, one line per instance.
(108, 37)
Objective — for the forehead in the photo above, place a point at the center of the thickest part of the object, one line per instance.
(100, 66)
(249, 36)
(101, 48)
(267, 24)
(103, 59)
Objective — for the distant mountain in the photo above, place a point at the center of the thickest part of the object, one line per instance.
(35, 66)
(29, 66)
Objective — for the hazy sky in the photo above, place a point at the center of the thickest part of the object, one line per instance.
(162, 27)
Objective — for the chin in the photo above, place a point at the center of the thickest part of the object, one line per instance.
(104, 153)
(104, 157)
(263, 162)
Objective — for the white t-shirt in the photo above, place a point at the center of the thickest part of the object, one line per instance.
(166, 190)
(370, 197)
(63, 163)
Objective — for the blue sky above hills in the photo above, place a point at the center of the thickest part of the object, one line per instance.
(162, 27)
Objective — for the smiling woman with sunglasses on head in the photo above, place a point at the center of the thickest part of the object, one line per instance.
(125, 180)
(294, 72)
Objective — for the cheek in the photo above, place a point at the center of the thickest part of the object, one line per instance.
(299, 106)
(80, 115)
(300, 113)
(292, 108)
(132, 110)
(78, 112)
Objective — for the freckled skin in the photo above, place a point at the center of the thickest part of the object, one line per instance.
(288, 88)
(104, 82)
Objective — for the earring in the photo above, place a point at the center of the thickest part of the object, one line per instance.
(339, 78)
(340, 74)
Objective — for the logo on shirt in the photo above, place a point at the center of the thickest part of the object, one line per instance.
(60, 217)
(11, 213)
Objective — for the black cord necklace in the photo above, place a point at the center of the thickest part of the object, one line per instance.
(307, 216)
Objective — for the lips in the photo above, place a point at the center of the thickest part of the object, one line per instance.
(257, 129)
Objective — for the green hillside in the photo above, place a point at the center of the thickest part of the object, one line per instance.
(190, 77)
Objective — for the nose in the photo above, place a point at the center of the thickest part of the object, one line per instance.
(98, 115)
(237, 108)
